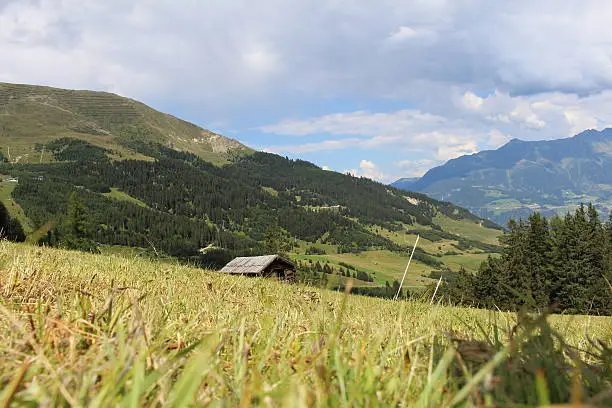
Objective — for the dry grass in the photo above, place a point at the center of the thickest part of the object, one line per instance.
(88, 330)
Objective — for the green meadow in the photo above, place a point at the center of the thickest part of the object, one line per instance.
(114, 330)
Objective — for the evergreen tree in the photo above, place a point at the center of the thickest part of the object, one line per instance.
(461, 289)
(539, 260)
(77, 224)
(10, 228)
(564, 263)
(327, 269)
(76, 232)
(511, 275)
(576, 261)
(488, 285)
(608, 241)
(277, 241)
(396, 287)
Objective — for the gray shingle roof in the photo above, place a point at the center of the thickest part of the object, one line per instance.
(247, 265)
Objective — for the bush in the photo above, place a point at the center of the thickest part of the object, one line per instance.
(313, 250)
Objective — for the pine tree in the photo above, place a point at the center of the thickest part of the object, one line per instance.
(539, 259)
(513, 286)
(76, 232)
(327, 269)
(571, 261)
(595, 256)
(608, 251)
(76, 219)
(277, 241)
(461, 290)
(488, 286)
(10, 228)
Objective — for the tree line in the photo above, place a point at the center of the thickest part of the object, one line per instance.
(191, 204)
(564, 263)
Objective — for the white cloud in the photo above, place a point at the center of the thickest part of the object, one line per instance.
(416, 168)
(472, 72)
(456, 129)
(453, 150)
(403, 33)
(472, 101)
(580, 119)
(497, 139)
(370, 170)
(261, 60)
(525, 116)
(227, 55)
(324, 145)
(355, 123)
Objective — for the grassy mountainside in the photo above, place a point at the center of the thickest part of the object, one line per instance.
(35, 115)
(548, 176)
(179, 204)
(147, 181)
(91, 330)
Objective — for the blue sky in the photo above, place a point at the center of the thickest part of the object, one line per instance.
(384, 89)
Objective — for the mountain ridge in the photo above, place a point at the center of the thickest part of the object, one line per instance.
(550, 175)
(31, 114)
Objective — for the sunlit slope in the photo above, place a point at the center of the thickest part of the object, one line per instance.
(31, 116)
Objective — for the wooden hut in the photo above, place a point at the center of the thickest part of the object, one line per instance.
(266, 266)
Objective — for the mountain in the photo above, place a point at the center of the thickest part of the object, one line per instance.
(405, 183)
(31, 116)
(94, 170)
(548, 176)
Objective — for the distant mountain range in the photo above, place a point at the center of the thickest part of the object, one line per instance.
(521, 177)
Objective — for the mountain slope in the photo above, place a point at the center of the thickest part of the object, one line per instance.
(140, 191)
(34, 115)
(548, 176)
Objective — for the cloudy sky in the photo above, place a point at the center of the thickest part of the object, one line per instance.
(385, 88)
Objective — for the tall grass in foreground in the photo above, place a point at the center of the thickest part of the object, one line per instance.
(99, 331)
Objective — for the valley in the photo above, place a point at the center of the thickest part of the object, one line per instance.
(151, 181)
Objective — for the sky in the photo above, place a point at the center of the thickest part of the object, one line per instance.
(383, 89)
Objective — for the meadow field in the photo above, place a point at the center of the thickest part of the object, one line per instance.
(105, 330)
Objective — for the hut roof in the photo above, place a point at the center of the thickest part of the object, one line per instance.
(254, 264)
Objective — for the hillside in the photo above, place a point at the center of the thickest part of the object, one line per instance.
(137, 190)
(31, 116)
(548, 176)
(91, 330)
